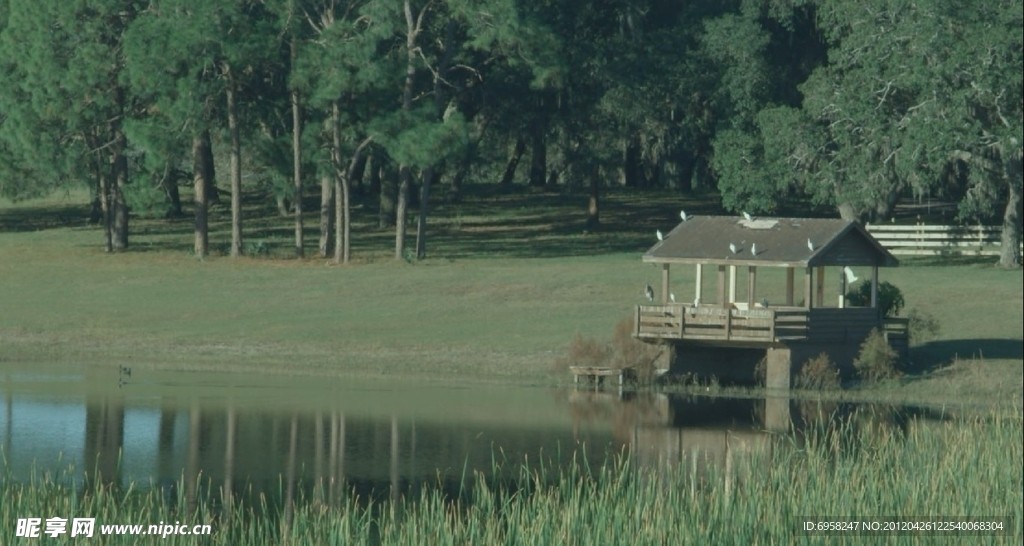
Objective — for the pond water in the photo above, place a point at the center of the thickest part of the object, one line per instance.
(288, 438)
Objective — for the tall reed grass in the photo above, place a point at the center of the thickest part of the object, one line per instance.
(967, 467)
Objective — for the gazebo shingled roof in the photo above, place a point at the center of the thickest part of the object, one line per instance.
(780, 242)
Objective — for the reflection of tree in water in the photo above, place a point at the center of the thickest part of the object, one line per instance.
(851, 430)
(625, 413)
(104, 440)
(716, 439)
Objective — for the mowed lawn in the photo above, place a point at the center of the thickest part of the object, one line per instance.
(509, 282)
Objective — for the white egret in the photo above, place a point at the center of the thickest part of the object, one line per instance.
(747, 216)
(683, 216)
(850, 277)
(810, 244)
(732, 248)
(672, 297)
(753, 249)
(659, 234)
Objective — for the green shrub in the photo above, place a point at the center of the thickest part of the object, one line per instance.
(876, 360)
(631, 353)
(890, 298)
(584, 351)
(818, 373)
(922, 326)
(624, 352)
(761, 372)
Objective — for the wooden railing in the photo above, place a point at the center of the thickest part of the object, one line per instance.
(709, 323)
(928, 240)
(897, 328)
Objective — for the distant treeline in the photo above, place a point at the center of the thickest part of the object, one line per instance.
(850, 104)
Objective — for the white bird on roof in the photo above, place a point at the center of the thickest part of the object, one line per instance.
(683, 216)
(753, 249)
(747, 216)
(672, 297)
(850, 277)
(732, 248)
(810, 244)
(661, 237)
(649, 292)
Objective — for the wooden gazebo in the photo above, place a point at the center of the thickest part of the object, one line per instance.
(802, 319)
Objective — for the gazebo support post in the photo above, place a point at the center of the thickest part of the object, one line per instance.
(700, 280)
(874, 286)
(808, 281)
(842, 289)
(721, 286)
(732, 284)
(664, 284)
(751, 286)
(821, 285)
(789, 286)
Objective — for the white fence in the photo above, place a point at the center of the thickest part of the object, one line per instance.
(926, 240)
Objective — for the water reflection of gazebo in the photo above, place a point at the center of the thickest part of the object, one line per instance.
(787, 331)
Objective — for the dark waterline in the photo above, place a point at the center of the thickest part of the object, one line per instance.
(377, 439)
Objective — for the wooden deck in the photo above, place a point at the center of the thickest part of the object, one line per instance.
(707, 323)
(760, 326)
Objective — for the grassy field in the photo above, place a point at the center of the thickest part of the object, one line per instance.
(510, 280)
(942, 471)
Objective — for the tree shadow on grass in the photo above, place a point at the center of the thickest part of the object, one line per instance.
(935, 355)
(23, 219)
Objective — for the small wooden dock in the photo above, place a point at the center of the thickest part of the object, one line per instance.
(597, 375)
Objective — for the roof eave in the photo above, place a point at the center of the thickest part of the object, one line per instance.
(716, 261)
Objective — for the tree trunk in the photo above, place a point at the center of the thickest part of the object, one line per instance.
(687, 163)
(632, 166)
(421, 220)
(538, 155)
(106, 213)
(236, 172)
(120, 229)
(357, 176)
(458, 180)
(326, 213)
(169, 183)
(119, 176)
(513, 162)
(373, 167)
(342, 188)
(297, 167)
(95, 207)
(847, 212)
(388, 191)
(434, 171)
(593, 203)
(405, 180)
(1009, 253)
(202, 176)
(404, 171)
(342, 251)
